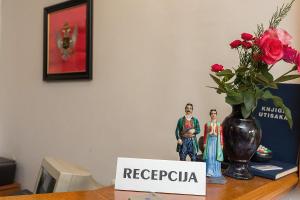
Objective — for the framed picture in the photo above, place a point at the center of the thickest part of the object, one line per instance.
(68, 40)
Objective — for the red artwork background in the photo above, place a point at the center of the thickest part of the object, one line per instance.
(77, 61)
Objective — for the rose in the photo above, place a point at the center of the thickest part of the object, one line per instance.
(217, 68)
(289, 54)
(271, 46)
(272, 51)
(283, 36)
(235, 43)
(246, 36)
(297, 62)
(246, 44)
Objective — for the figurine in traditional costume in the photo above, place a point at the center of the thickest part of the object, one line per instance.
(213, 146)
(186, 130)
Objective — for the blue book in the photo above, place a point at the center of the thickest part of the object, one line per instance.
(276, 133)
(272, 169)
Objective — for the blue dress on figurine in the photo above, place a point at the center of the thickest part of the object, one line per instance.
(213, 148)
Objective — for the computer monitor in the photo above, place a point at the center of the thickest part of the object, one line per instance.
(59, 176)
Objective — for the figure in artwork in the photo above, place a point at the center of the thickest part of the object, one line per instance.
(66, 40)
(213, 146)
(186, 130)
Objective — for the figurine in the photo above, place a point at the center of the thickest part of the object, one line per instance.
(213, 148)
(186, 131)
(262, 154)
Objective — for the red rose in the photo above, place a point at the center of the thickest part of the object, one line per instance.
(246, 44)
(235, 44)
(256, 41)
(271, 47)
(246, 36)
(297, 62)
(217, 68)
(289, 54)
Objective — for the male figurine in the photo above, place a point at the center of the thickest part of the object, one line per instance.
(213, 149)
(186, 130)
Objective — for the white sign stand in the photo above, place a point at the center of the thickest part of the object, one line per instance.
(161, 176)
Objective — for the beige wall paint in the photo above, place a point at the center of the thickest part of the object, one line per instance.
(150, 58)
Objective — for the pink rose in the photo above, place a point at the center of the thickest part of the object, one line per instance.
(217, 68)
(297, 62)
(289, 54)
(235, 43)
(246, 36)
(283, 36)
(271, 47)
(246, 44)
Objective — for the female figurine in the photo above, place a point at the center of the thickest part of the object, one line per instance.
(213, 146)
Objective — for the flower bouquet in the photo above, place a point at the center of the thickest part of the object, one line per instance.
(245, 84)
(248, 82)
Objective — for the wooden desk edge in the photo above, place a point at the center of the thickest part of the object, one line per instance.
(13, 185)
(273, 189)
(270, 190)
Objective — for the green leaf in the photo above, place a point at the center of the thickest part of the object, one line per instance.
(219, 82)
(287, 78)
(225, 72)
(219, 91)
(267, 95)
(267, 74)
(216, 79)
(288, 115)
(258, 93)
(273, 85)
(249, 100)
(245, 112)
(241, 70)
(278, 102)
(234, 98)
(262, 78)
(267, 81)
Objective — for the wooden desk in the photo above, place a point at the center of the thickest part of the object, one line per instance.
(9, 189)
(257, 188)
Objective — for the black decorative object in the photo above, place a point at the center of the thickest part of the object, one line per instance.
(241, 139)
(7, 171)
(261, 157)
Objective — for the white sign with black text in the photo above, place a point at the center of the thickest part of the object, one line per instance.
(164, 176)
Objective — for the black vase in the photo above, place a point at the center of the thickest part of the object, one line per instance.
(241, 140)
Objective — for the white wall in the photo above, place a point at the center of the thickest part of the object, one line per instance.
(150, 58)
(1, 91)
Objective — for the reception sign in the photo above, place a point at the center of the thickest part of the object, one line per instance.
(161, 176)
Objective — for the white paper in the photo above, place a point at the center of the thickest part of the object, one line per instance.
(266, 167)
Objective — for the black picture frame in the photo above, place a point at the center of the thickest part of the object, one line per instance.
(48, 54)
